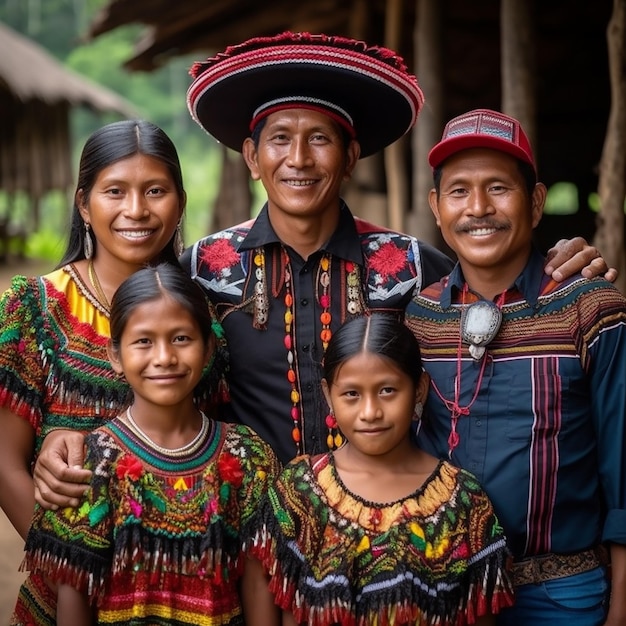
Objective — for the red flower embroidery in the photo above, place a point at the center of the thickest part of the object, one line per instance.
(229, 468)
(461, 551)
(388, 260)
(219, 255)
(129, 466)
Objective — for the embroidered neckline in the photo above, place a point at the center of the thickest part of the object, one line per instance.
(84, 289)
(95, 283)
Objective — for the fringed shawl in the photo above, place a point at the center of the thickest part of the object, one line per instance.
(54, 370)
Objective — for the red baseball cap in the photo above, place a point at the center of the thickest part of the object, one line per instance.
(482, 128)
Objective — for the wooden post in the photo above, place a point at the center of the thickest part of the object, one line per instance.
(612, 181)
(234, 197)
(518, 65)
(428, 63)
(395, 163)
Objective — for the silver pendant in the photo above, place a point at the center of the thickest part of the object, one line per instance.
(480, 322)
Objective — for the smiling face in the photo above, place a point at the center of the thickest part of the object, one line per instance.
(133, 209)
(486, 216)
(302, 161)
(162, 362)
(373, 401)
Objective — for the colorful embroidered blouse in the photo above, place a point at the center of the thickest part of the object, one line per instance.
(159, 539)
(54, 370)
(55, 373)
(437, 556)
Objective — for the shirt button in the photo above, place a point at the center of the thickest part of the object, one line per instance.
(305, 347)
(479, 423)
(304, 302)
(309, 387)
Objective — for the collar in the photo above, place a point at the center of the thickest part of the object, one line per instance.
(344, 243)
(528, 283)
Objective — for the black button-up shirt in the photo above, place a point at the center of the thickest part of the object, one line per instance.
(392, 268)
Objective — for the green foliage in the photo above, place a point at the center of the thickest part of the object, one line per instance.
(46, 244)
(562, 199)
(159, 96)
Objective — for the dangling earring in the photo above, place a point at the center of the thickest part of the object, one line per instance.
(179, 245)
(88, 242)
(335, 440)
(418, 411)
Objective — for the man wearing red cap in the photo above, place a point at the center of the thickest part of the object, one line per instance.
(527, 379)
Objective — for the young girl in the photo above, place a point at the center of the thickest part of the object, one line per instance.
(160, 536)
(379, 532)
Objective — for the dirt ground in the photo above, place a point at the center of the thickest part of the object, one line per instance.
(11, 544)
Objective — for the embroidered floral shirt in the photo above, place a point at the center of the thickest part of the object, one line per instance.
(437, 556)
(248, 274)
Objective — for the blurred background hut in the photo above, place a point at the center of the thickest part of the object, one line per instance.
(36, 95)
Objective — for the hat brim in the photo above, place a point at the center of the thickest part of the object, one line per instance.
(448, 147)
(381, 113)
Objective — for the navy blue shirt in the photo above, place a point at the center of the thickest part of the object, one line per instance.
(546, 433)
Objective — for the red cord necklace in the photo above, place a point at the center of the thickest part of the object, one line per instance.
(477, 351)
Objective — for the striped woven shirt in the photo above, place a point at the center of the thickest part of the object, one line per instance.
(546, 433)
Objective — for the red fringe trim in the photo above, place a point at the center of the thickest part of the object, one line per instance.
(290, 38)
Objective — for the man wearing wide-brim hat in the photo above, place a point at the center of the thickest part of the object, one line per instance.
(302, 109)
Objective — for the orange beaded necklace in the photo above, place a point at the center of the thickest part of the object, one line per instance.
(323, 281)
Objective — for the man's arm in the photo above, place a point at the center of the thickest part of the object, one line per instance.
(617, 605)
(59, 475)
(566, 258)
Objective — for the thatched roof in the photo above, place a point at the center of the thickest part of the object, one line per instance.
(36, 95)
(570, 47)
(28, 72)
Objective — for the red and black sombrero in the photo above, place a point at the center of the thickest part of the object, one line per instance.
(365, 88)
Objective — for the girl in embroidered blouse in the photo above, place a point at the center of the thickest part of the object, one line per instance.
(161, 534)
(378, 531)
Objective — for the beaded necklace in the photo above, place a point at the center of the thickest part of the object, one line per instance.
(186, 450)
(456, 410)
(354, 306)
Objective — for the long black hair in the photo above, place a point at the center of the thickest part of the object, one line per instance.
(377, 333)
(107, 145)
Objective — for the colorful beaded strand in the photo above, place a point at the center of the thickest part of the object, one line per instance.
(334, 438)
(292, 377)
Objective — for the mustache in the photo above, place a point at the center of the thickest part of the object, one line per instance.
(484, 222)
